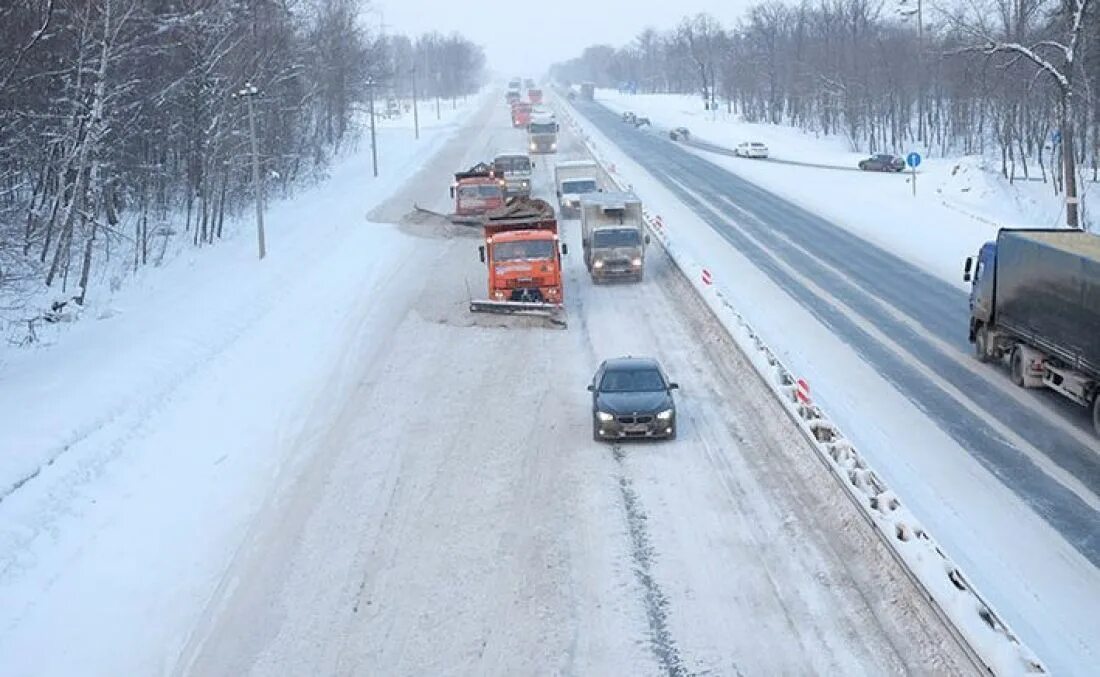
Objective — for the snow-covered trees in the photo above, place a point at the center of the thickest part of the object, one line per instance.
(999, 75)
(118, 128)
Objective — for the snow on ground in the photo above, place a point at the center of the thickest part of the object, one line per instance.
(959, 204)
(418, 539)
(138, 444)
(1045, 589)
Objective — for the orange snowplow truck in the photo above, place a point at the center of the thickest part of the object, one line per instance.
(523, 254)
(476, 191)
(521, 114)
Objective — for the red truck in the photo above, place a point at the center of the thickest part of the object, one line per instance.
(476, 191)
(523, 253)
(521, 114)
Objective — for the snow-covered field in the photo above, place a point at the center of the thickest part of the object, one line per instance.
(1037, 580)
(139, 442)
(960, 202)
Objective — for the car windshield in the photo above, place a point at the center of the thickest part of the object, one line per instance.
(638, 380)
(617, 237)
(542, 128)
(512, 163)
(523, 251)
(579, 186)
(757, 145)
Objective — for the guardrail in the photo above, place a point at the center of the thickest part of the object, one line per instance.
(978, 628)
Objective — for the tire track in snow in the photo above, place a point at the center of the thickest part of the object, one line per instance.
(641, 551)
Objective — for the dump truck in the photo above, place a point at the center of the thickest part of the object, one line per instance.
(476, 191)
(572, 179)
(613, 236)
(514, 171)
(523, 253)
(521, 114)
(534, 96)
(542, 135)
(1035, 303)
(588, 91)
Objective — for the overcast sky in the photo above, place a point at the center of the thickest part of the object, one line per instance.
(523, 37)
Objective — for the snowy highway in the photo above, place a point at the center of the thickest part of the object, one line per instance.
(908, 328)
(454, 516)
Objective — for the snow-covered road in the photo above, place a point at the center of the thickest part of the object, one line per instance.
(452, 514)
(1006, 480)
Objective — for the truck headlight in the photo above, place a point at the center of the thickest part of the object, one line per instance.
(636, 262)
(604, 416)
(664, 415)
(553, 146)
(598, 263)
(534, 146)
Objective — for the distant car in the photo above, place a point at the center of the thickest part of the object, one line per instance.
(632, 398)
(679, 134)
(641, 122)
(751, 149)
(882, 162)
(629, 117)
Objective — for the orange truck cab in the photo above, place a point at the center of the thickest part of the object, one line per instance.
(523, 254)
(476, 191)
(534, 96)
(521, 114)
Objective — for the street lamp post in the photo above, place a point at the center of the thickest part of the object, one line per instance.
(248, 93)
(373, 142)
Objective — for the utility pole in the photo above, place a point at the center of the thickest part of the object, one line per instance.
(416, 115)
(373, 142)
(248, 93)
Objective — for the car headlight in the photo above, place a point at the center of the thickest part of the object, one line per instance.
(664, 415)
(604, 416)
(598, 263)
(636, 262)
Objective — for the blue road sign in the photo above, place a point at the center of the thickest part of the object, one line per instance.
(913, 160)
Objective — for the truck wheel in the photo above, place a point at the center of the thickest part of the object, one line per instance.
(1018, 367)
(981, 343)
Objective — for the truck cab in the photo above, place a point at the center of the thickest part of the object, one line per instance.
(476, 191)
(574, 179)
(980, 272)
(523, 253)
(514, 171)
(613, 236)
(521, 114)
(542, 135)
(534, 96)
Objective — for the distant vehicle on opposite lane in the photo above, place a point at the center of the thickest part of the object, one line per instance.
(882, 162)
(629, 117)
(751, 149)
(632, 399)
(679, 134)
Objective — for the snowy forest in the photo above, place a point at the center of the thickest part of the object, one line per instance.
(1002, 77)
(121, 129)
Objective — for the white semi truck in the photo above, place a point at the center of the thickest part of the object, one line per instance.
(573, 179)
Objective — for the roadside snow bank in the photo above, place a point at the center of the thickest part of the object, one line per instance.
(964, 610)
(138, 446)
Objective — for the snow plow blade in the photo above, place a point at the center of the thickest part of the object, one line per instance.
(548, 311)
(467, 220)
